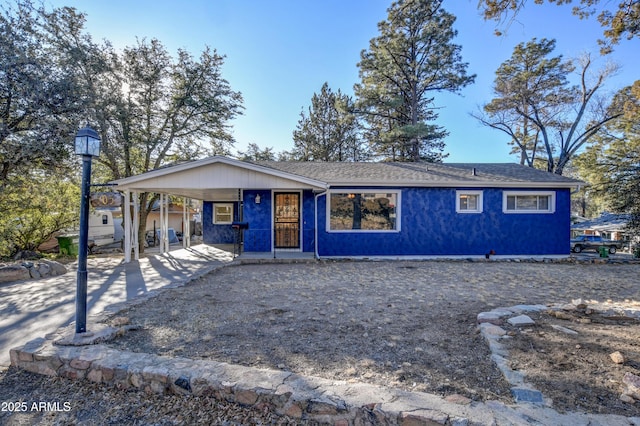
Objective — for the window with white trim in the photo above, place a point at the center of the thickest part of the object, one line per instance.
(468, 201)
(529, 202)
(223, 213)
(368, 210)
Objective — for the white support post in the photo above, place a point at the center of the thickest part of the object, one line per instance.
(135, 231)
(127, 226)
(186, 232)
(164, 224)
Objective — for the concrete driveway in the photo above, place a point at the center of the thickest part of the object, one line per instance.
(30, 309)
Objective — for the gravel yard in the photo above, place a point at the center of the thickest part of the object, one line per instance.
(410, 325)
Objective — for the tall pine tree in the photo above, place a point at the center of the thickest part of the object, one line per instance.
(412, 59)
(329, 132)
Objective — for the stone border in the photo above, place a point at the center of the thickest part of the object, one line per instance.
(285, 393)
(490, 323)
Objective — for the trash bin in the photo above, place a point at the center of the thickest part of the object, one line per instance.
(604, 251)
(68, 244)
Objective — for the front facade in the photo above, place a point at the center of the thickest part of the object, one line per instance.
(371, 210)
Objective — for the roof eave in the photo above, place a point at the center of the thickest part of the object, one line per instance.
(458, 184)
(130, 181)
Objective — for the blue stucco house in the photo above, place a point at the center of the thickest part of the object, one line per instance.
(374, 210)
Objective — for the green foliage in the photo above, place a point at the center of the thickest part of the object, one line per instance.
(619, 157)
(39, 98)
(33, 208)
(149, 108)
(540, 110)
(255, 153)
(623, 22)
(330, 130)
(412, 59)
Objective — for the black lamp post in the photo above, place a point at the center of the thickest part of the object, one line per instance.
(87, 145)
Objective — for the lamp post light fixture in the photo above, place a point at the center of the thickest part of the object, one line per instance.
(88, 145)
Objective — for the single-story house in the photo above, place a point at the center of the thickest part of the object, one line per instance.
(371, 210)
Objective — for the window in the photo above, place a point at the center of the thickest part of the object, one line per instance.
(528, 202)
(469, 201)
(223, 214)
(370, 211)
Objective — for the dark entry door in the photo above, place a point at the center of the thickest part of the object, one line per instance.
(287, 220)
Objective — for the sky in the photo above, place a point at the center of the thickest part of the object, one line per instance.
(280, 52)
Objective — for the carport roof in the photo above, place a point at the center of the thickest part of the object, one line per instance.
(216, 177)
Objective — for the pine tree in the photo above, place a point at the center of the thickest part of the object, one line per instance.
(412, 59)
(329, 132)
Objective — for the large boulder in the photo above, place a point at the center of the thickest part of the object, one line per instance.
(14, 273)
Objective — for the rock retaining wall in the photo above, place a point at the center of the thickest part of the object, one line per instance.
(285, 393)
(31, 270)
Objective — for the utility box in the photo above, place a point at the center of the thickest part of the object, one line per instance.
(68, 244)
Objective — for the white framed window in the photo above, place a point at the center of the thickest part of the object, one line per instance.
(469, 201)
(223, 213)
(529, 202)
(363, 211)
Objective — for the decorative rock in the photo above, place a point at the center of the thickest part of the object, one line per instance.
(617, 357)
(627, 398)
(563, 329)
(56, 268)
(34, 273)
(26, 270)
(14, 273)
(44, 269)
(490, 317)
(120, 321)
(633, 384)
(527, 395)
(183, 382)
(560, 315)
(492, 330)
(458, 399)
(521, 321)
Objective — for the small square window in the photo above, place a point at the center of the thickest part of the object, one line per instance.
(469, 201)
(223, 214)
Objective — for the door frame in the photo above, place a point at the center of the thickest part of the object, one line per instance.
(273, 220)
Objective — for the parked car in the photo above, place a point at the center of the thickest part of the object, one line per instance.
(594, 242)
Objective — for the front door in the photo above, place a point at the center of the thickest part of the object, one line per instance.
(287, 220)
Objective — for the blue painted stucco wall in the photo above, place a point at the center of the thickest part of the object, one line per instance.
(258, 238)
(259, 216)
(217, 234)
(430, 226)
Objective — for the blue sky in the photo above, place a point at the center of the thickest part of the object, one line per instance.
(280, 52)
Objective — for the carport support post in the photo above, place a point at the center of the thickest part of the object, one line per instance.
(127, 226)
(186, 231)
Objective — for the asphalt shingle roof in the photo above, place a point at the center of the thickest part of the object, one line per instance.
(421, 174)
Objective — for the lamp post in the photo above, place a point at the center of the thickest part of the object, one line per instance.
(88, 145)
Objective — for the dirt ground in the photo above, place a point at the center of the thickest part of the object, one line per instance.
(577, 370)
(410, 325)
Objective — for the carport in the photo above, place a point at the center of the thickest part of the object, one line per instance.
(215, 178)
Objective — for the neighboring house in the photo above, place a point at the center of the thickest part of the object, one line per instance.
(608, 225)
(176, 217)
(368, 210)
